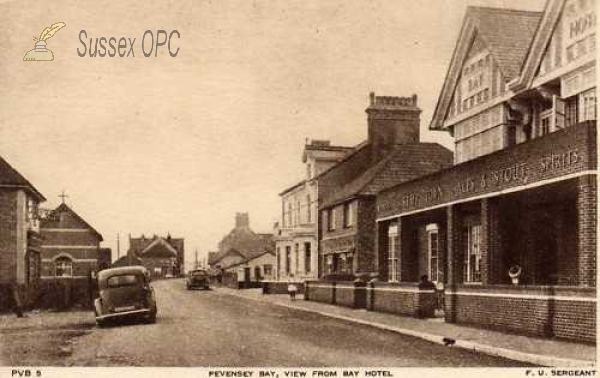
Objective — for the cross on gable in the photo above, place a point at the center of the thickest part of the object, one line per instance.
(63, 196)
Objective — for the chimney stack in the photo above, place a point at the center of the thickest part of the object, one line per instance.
(242, 220)
(393, 120)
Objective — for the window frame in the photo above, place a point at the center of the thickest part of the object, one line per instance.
(392, 254)
(433, 271)
(331, 219)
(307, 257)
(58, 262)
(472, 229)
(348, 214)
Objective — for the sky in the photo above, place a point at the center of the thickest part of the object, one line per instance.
(161, 144)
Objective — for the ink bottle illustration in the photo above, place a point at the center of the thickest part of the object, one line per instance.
(40, 52)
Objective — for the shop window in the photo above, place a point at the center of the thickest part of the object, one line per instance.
(307, 256)
(433, 251)
(349, 263)
(471, 250)
(329, 264)
(63, 267)
(335, 263)
(392, 253)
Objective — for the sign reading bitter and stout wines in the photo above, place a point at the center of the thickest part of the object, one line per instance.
(559, 154)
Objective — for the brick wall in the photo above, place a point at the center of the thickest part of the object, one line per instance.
(8, 236)
(80, 268)
(280, 287)
(534, 311)
(365, 258)
(348, 294)
(66, 293)
(586, 213)
(70, 238)
(402, 299)
(319, 291)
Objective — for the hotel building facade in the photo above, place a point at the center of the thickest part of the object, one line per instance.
(509, 231)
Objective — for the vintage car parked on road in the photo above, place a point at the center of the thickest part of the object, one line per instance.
(197, 278)
(125, 293)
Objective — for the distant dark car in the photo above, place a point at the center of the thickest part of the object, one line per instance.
(125, 293)
(197, 278)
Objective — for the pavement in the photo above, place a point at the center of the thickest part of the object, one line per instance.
(533, 350)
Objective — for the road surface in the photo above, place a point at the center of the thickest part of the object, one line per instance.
(213, 328)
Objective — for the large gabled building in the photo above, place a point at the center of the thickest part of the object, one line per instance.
(71, 246)
(510, 230)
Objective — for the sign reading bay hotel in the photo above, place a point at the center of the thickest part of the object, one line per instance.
(556, 155)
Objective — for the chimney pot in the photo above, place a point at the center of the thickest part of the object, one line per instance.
(393, 120)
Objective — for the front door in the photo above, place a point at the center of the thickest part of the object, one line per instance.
(246, 277)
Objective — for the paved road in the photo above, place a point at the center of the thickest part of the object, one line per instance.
(211, 328)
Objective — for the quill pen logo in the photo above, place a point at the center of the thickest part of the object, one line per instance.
(41, 53)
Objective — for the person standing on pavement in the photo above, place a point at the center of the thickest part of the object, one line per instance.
(425, 284)
(18, 307)
(292, 289)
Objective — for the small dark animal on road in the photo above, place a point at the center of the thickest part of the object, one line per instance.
(448, 341)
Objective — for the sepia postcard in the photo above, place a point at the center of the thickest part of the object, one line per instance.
(298, 189)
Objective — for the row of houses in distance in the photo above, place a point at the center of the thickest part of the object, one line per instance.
(163, 256)
(244, 258)
(505, 227)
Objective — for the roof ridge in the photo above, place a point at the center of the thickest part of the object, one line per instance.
(79, 217)
(504, 10)
(356, 148)
(26, 183)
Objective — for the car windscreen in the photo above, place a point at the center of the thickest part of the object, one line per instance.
(198, 274)
(123, 280)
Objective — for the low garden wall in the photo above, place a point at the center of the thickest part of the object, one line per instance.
(343, 293)
(562, 312)
(403, 298)
(280, 287)
(62, 293)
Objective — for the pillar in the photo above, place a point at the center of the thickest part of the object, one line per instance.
(586, 214)
(452, 246)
